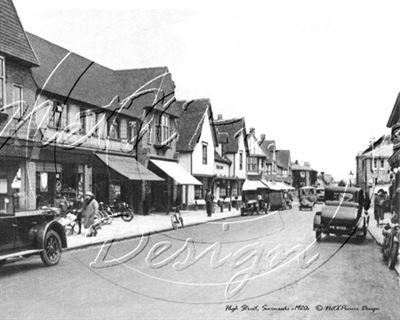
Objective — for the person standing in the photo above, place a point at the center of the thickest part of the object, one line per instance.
(90, 209)
(209, 202)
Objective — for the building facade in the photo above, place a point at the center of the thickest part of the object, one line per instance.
(373, 166)
(17, 120)
(303, 175)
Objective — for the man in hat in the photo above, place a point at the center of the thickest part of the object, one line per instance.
(209, 202)
(90, 209)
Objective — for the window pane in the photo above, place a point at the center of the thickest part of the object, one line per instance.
(124, 129)
(1, 93)
(1, 67)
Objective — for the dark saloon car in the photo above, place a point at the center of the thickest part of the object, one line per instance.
(344, 212)
(24, 236)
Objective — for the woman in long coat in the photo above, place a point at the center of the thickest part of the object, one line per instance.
(90, 209)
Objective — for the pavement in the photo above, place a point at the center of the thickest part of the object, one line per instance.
(376, 233)
(144, 225)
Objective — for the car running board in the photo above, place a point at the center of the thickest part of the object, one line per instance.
(19, 254)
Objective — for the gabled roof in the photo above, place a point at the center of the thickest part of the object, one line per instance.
(72, 76)
(382, 147)
(192, 116)
(394, 116)
(233, 127)
(283, 158)
(13, 40)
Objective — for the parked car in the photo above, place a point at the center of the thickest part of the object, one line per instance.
(320, 194)
(344, 212)
(24, 236)
(279, 200)
(307, 197)
(250, 203)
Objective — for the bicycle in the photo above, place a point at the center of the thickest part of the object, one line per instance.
(176, 218)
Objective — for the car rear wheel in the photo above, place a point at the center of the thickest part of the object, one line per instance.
(51, 253)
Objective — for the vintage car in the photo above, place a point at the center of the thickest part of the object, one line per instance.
(253, 198)
(307, 197)
(27, 235)
(279, 200)
(344, 213)
(320, 194)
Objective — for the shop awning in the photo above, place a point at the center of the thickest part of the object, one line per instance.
(271, 185)
(284, 186)
(176, 172)
(253, 185)
(128, 167)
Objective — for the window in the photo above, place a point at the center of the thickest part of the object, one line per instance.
(150, 134)
(113, 128)
(252, 164)
(124, 129)
(382, 163)
(198, 192)
(133, 130)
(82, 119)
(163, 129)
(2, 82)
(204, 152)
(18, 101)
(375, 163)
(241, 160)
(58, 115)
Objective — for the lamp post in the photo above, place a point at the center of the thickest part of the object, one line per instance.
(350, 178)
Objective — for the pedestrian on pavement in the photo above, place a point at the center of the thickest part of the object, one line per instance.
(378, 206)
(209, 202)
(90, 209)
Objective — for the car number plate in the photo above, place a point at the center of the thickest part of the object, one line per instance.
(340, 228)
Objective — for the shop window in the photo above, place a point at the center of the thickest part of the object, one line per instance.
(198, 192)
(241, 160)
(204, 152)
(18, 101)
(2, 82)
(222, 190)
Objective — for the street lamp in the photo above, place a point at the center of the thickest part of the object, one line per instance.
(351, 177)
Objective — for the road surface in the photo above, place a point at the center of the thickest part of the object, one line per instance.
(256, 267)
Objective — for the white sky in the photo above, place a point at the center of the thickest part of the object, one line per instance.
(319, 77)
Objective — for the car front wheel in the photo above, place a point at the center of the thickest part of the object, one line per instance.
(51, 253)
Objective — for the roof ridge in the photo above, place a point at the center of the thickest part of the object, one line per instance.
(72, 52)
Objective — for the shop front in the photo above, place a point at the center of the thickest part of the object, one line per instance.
(121, 178)
(173, 191)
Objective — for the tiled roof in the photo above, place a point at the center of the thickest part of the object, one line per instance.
(299, 167)
(268, 146)
(283, 158)
(13, 40)
(191, 122)
(233, 127)
(70, 75)
(219, 158)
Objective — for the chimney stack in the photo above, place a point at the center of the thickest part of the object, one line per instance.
(252, 130)
(219, 117)
(307, 164)
(262, 137)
